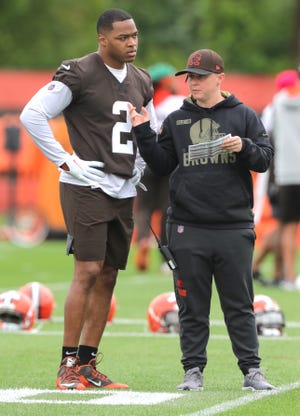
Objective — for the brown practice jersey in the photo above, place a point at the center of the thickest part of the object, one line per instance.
(97, 118)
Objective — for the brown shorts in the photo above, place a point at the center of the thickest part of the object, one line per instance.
(101, 226)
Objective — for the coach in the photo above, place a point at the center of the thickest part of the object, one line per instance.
(210, 144)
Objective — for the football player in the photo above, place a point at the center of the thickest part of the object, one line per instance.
(97, 181)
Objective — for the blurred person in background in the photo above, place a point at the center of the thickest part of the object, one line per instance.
(286, 136)
(271, 242)
(165, 100)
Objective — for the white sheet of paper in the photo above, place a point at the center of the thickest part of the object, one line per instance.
(207, 149)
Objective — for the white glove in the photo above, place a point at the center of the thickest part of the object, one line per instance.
(136, 176)
(88, 171)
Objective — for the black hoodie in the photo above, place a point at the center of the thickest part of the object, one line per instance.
(211, 192)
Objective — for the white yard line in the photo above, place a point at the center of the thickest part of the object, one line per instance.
(139, 321)
(130, 398)
(250, 397)
(146, 334)
(103, 397)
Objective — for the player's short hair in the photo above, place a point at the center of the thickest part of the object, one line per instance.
(106, 19)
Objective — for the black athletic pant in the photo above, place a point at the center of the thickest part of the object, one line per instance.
(226, 255)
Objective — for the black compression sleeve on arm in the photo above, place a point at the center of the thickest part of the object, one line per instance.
(160, 159)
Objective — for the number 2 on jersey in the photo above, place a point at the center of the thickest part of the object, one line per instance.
(121, 127)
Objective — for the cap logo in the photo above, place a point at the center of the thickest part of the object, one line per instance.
(195, 60)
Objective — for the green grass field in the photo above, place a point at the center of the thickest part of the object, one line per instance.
(149, 363)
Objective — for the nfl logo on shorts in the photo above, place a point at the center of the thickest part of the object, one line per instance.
(180, 229)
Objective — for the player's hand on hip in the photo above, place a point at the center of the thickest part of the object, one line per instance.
(136, 176)
(138, 118)
(88, 171)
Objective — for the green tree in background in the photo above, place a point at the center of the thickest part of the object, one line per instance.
(255, 36)
(258, 36)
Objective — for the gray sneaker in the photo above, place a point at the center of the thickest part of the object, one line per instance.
(255, 380)
(193, 380)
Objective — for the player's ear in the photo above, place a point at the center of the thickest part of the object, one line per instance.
(221, 76)
(102, 40)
